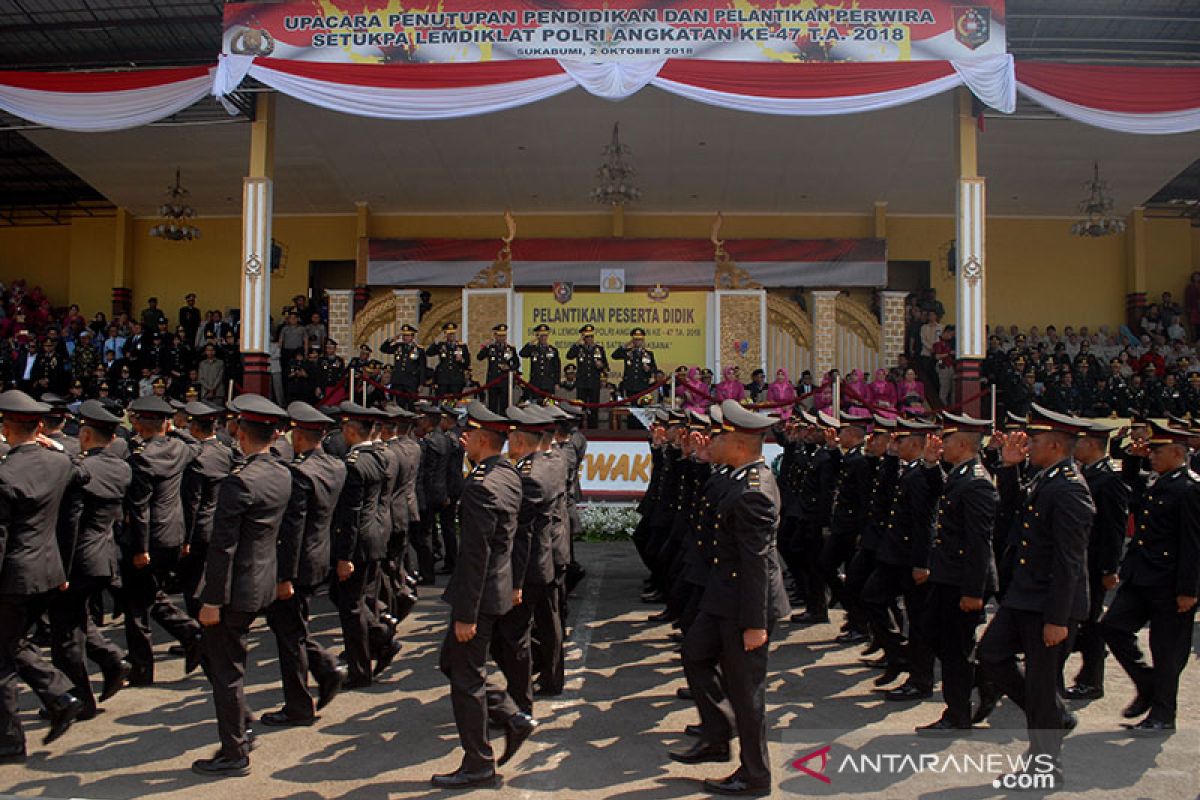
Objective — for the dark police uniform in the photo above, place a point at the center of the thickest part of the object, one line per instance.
(640, 365)
(304, 561)
(1162, 562)
(453, 361)
(408, 371)
(545, 365)
(501, 359)
(240, 578)
(201, 481)
(433, 495)
(1049, 587)
(591, 363)
(406, 514)
(851, 505)
(448, 516)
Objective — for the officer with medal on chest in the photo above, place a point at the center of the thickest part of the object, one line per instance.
(1047, 596)
(501, 358)
(453, 361)
(639, 363)
(545, 366)
(408, 371)
(725, 649)
(590, 364)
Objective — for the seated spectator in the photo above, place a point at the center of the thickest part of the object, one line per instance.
(730, 388)
(782, 391)
(911, 395)
(856, 394)
(883, 394)
(756, 389)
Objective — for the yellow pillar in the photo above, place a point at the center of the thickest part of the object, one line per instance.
(257, 201)
(1135, 274)
(618, 221)
(362, 253)
(881, 219)
(262, 137)
(122, 291)
(966, 142)
(970, 246)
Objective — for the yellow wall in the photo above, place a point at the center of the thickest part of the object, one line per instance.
(1039, 273)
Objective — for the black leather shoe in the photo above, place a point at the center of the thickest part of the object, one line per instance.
(943, 728)
(279, 719)
(175, 650)
(1151, 727)
(675, 637)
(220, 766)
(385, 660)
(878, 663)
(1069, 721)
(872, 649)
(1083, 691)
(851, 637)
(114, 680)
(808, 618)
(653, 597)
(461, 779)
(908, 692)
(1137, 708)
(694, 730)
(661, 616)
(520, 727)
(12, 754)
(737, 786)
(988, 698)
(330, 685)
(62, 713)
(139, 678)
(684, 693)
(702, 753)
(891, 674)
(191, 656)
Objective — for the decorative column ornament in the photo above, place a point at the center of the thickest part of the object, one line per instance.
(257, 198)
(971, 248)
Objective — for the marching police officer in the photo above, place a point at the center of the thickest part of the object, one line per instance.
(448, 516)
(1159, 584)
(240, 574)
(303, 566)
(408, 371)
(502, 359)
(480, 592)
(201, 481)
(1048, 593)
(453, 362)
(545, 366)
(590, 364)
(432, 494)
(962, 568)
(639, 363)
(742, 601)
(33, 481)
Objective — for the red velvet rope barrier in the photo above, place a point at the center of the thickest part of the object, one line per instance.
(435, 398)
(625, 401)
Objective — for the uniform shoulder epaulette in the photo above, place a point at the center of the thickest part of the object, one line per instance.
(527, 466)
(137, 451)
(352, 457)
(1192, 476)
(237, 469)
(979, 471)
(753, 480)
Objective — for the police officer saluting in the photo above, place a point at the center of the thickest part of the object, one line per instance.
(33, 481)
(303, 565)
(545, 366)
(742, 601)
(240, 574)
(1159, 583)
(453, 361)
(639, 363)
(501, 358)
(408, 371)
(590, 363)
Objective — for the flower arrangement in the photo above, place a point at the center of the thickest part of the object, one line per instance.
(608, 522)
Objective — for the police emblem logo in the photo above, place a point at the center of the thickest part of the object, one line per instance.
(972, 26)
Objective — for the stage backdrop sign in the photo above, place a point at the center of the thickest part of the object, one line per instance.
(676, 326)
(443, 31)
(620, 470)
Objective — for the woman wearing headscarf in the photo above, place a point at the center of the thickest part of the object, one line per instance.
(731, 387)
(856, 394)
(697, 395)
(912, 395)
(883, 395)
(782, 391)
(823, 399)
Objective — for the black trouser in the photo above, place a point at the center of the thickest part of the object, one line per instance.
(950, 634)
(811, 541)
(190, 572)
(465, 664)
(857, 573)
(443, 389)
(73, 635)
(145, 600)
(511, 651)
(729, 687)
(1034, 688)
(350, 598)
(448, 526)
(836, 554)
(589, 394)
(544, 601)
(422, 544)
(225, 664)
(1170, 643)
(407, 388)
(886, 583)
(1090, 642)
(298, 653)
(19, 658)
(497, 396)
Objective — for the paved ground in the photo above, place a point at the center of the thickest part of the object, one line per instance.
(607, 738)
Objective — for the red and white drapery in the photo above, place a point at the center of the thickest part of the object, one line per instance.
(1127, 99)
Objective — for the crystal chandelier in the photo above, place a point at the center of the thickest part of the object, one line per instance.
(615, 176)
(175, 213)
(1097, 210)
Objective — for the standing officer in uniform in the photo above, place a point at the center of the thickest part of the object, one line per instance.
(358, 542)
(240, 574)
(501, 358)
(303, 566)
(432, 493)
(201, 481)
(408, 371)
(545, 366)
(480, 592)
(590, 364)
(33, 481)
(155, 534)
(1159, 583)
(453, 361)
(639, 364)
(743, 600)
(90, 509)
(1047, 596)
(1111, 496)
(448, 516)
(962, 567)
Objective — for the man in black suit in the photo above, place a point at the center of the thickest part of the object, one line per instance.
(1159, 584)
(1048, 593)
(742, 601)
(590, 363)
(480, 592)
(154, 536)
(189, 318)
(90, 510)
(33, 481)
(240, 574)
(201, 481)
(303, 565)
(962, 568)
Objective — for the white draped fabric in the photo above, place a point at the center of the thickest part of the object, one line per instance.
(1185, 121)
